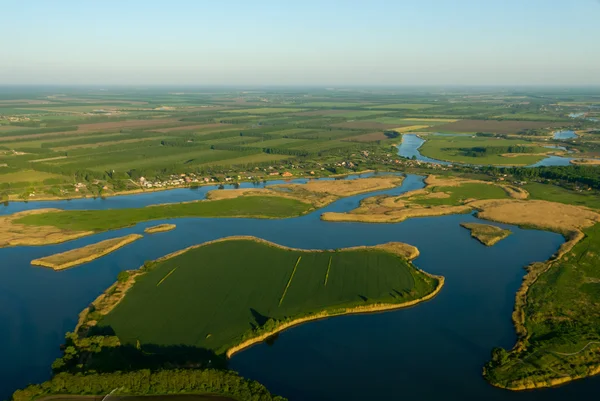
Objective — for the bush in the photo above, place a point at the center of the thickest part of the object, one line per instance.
(123, 276)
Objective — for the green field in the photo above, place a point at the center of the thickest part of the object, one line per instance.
(357, 114)
(266, 110)
(235, 285)
(27, 176)
(458, 194)
(222, 133)
(405, 106)
(555, 193)
(456, 149)
(110, 219)
(563, 336)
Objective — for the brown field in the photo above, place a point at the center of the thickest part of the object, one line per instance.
(10, 128)
(365, 125)
(499, 127)
(100, 127)
(317, 193)
(190, 127)
(586, 162)
(12, 234)
(557, 217)
(101, 144)
(372, 137)
(85, 254)
(24, 101)
(113, 125)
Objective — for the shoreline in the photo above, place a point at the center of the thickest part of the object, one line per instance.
(120, 289)
(123, 241)
(374, 308)
(150, 190)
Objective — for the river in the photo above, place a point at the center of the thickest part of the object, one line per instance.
(435, 349)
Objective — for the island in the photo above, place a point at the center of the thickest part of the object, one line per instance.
(486, 234)
(140, 328)
(161, 228)
(85, 254)
(50, 226)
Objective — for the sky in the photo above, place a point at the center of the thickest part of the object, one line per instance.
(285, 42)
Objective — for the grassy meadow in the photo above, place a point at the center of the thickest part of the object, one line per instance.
(482, 150)
(456, 195)
(236, 285)
(111, 219)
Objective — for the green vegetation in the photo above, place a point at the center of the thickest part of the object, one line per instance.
(482, 150)
(457, 195)
(146, 382)
(111, 219)
(555, 193)
(99, 144)
(563, 338)
(238, 288)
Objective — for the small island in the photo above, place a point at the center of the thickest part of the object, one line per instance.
(85, 254)
(486, 234)
(161, 228)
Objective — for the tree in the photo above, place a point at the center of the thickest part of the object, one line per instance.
(123, 276)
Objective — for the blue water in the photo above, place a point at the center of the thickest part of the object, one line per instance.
(409, 148)
(149, 198)
(435, 349)
(564, 135)
(411, 143)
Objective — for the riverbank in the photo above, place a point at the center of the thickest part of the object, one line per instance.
(324, 315)
(265, 179)
(333, 277)
(85, 254)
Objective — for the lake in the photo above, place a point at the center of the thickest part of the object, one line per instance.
(435, 349)
(564, 135)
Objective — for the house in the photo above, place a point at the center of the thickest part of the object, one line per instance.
(287, 174)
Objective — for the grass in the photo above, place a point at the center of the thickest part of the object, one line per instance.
(405, 106)
(265, 110)
(562, 329)
(486, 234)
(27, 176)
(85, 254)
(234, 285)
(332, 104)
(110, 219)
(554, 193)
(456, 195)
(357, 113)
(452, 148)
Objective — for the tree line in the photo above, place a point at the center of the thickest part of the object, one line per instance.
(146, 382)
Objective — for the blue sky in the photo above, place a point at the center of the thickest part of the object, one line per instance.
(326, 42)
